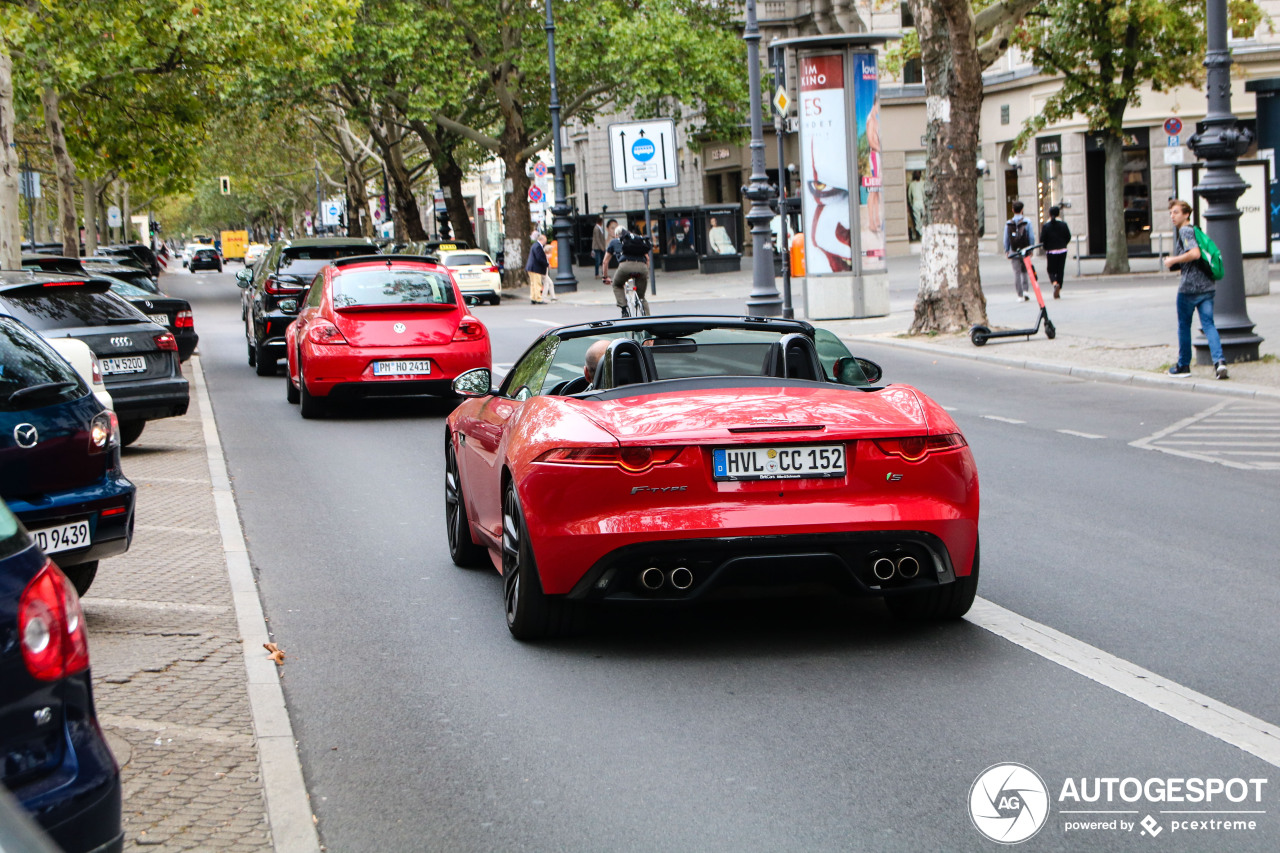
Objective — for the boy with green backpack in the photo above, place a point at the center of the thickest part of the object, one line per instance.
(1201, 269)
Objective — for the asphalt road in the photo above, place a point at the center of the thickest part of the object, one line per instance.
(801, 725)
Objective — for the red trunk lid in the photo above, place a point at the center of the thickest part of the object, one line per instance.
(408, 326)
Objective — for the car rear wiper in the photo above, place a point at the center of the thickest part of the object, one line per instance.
(42, 388)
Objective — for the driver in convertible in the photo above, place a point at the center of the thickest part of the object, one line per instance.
(592, 359)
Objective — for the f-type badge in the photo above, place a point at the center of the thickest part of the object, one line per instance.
(26, 435)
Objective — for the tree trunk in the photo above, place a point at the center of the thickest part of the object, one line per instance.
(90, 216)
(358, 224)
(441, 145)
(126, 215)
(1113, 180)
(515, 244)
(950, 296)
(66, 170)
(10, 191)
(409, 215)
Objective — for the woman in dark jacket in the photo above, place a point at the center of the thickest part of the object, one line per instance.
(1055, 237)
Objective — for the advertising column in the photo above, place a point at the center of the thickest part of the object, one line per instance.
(841, 178)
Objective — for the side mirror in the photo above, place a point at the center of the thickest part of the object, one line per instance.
(852, 370)
(474, 383)
(473, 300)
(244, 277)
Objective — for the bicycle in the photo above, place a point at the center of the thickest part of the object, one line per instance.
(634, 306)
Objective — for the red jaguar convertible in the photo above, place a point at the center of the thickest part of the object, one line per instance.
(378, 326)
(669, 459)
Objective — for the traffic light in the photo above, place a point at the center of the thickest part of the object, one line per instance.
(225, 184)
(342, 219)
(154, 228)
(446, 229)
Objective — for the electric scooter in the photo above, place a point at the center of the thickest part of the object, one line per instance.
(981, 334)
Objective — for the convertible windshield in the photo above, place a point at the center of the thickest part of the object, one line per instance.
(392, 287)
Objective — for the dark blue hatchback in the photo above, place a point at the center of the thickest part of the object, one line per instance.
(53, 756)
(60, 457)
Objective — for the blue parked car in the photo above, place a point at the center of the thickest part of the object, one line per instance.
(60, 457)
(54, 757)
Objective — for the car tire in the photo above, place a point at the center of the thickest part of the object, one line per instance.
(290, 390)
(531, 613)
(462, 550)
(81, 576)
(940, 604)
(130, 431)
(253, 354)
(310, 406)
(266, 365)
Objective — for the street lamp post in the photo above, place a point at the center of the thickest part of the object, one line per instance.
(780, 80)
(1220, 145)
(565, 282)
(764, 300)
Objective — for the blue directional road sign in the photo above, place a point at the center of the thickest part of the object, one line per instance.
(642, 155)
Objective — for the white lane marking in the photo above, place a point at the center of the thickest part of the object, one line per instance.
(548, 323)
(1203, 713)
(1003, 420)
(1080, 434)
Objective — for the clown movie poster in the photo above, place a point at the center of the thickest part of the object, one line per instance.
(825, 165)
(866, 85)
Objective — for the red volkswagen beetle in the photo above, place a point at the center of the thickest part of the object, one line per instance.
(669, 459)
(381, 325)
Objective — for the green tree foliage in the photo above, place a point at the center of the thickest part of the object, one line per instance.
(1106, 52)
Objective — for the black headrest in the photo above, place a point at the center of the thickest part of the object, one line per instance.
(623, 363)
(793, 357)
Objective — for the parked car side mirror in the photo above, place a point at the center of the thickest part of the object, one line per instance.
(474, 383)
(244, 277)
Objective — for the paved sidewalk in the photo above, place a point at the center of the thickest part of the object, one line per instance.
(168, 661)
(1110, 328)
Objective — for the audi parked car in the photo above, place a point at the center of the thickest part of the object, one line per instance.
(271, 290)
(476, 273)
(134, 251)
(381, 326)
(60, 457)
(705, 455)
(205, 258)
(56, 761)
(139, 359)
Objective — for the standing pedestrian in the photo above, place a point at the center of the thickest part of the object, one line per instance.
(915, 203)
(536, 267)
(1055, 236)
(632, 252)
(1018, 235)
(1195, 292)
(599, 242)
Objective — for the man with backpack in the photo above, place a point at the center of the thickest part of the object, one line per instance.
(1195, 291)
(632, 250)
(1018, 235)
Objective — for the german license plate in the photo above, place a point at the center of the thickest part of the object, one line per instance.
(62, 538)
(162, 319)
(127, 364)
(401, 368)
(468, 275)
(785, 462)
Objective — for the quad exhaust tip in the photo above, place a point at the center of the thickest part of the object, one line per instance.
(651, 579)
(681, 578)
(908, 567)
(883, 568)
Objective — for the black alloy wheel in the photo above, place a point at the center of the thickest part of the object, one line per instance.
(531, 613)
(940, 604)
(462, 550)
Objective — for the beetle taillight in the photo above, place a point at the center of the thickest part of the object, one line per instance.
(325, 333)
(469, 329)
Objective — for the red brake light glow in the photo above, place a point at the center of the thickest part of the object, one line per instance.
(51, 627)
(493, 268)
(325, 333)
(916, 447)
(633, 460)
(167, 342)
(469, 329)
(62, 283)
(185, 320)
(276, 287)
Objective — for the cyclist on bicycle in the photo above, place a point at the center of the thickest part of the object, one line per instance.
(633, 251)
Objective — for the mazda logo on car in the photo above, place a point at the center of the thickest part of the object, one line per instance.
(122, 341)
(26, 435)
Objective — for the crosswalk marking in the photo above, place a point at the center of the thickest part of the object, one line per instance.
(1233, 433)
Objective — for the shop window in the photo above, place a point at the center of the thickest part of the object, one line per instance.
(912, 72)
(1048, 174)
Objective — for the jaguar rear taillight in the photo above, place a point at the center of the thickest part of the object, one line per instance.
(184, 320)
(325, 333)
(167, 342)
(469, 329)
(633, 460)
(916, 447)
(51, 626)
